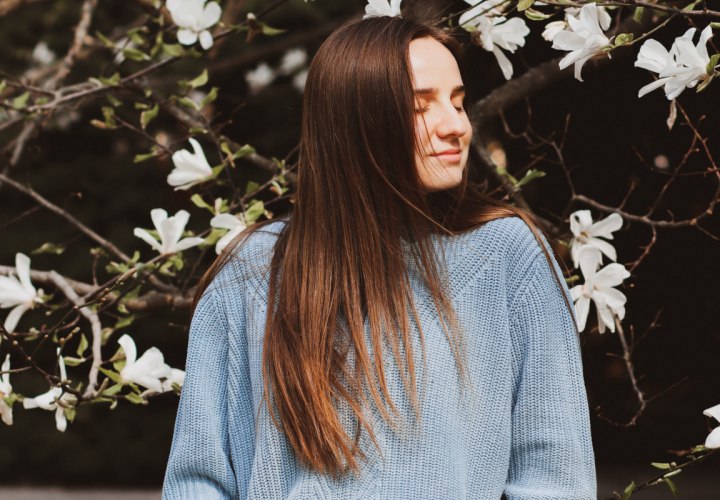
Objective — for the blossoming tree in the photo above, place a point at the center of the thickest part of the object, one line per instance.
(152, 79)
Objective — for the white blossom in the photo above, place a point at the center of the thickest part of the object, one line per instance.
(259, 78)
(598, 287)
(292, 60)
(193, 18)
(234, 226)
(683, 66)
(380, 8)
(170, 230)
(18, 292)
(55, 399)
(554, 27)
(584, 39)
(480, 8)
(190, 168)
(587, 234)
(299, 80)
(498, 33)
(149, 370)
(713, 439)
(42, 54)
(5, 391)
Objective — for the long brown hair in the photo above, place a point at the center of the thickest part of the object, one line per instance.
(340, 261)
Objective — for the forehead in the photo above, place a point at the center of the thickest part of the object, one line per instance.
(432, 65)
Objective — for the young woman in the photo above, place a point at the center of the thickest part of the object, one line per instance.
(398, 335)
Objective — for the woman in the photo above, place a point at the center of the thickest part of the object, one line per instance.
(398, 335)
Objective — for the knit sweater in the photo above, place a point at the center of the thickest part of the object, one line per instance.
(520, 430)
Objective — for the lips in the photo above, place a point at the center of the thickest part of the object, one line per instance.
(449, 155)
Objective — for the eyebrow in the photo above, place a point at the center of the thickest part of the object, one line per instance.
(432, 91)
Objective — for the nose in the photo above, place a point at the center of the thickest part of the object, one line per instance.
(451, 123)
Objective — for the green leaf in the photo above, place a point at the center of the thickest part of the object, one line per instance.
(115, 377)
(200, 80)
(269, 31)
(147, 116)
(105, 40)
(214, 236)
(21, 101)
(69, 413)
(125, 322)
(671, 485)
(629, 490)
(244, 150)
(111, 81)
(536, 15)
(713, 62)
(212, 95)
(661, 465)
(114, 101)
(143, 157)
(3, 84)
(82, 346)
(188, 103)
(524, 4)
(135, 399)
(173, 50)
(53, 248)
(638, 14)
(198, 201)
(254, 211)
(109, 115)
(112, 390)
(70, 361)
(715, 26)
(622, 39)
(135, 54)
(530, 176)
(252, 186)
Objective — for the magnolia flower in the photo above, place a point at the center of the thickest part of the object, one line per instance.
(380, 8)
(55, 399)
(259, 78)
(471, 17)
(193, 18)
(498, 32)
(554, 27)
(584, 39)
(598, 287)
(190, 168)
(18, 293)
(299, 80)
(42, 54)
(684, 66)
(587, 234)
(5, 391)
(170, 230)
(713, 439)
(150, 370)
(230, 222)
(292, 60)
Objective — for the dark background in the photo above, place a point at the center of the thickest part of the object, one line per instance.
(91, 174)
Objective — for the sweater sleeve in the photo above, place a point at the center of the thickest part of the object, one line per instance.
(551, 454)
(200, 466)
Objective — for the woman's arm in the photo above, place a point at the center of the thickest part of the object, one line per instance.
(552, 455)
(200, 466)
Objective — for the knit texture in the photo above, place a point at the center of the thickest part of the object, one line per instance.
(520, 429)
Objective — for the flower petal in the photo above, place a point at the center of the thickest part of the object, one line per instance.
(128, 345)
(713, 412)
(713, 439)
(145, 236)
(12, 319)
(582, 308)
(186, 36)
(206, 39)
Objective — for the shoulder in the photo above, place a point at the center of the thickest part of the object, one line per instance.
(508, 240)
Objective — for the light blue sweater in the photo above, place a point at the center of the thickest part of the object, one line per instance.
(522, 430)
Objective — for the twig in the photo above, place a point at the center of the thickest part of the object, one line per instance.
(95, 325)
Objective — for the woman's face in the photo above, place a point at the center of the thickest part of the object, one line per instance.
(442, 127)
